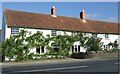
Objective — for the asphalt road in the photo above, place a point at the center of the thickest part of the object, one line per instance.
(95, 67)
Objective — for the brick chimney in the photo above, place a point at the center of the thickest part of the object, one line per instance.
(53, 11)
(83, 16)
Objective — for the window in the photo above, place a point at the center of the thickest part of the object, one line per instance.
(75, 33)
(53, 32)
(78, 33)
(15, 31)
(39, 31)
(42, 49)
(38, 50)
(75, 48)
(106, 36)
(56, 48)
(95, 35)
(78, 48)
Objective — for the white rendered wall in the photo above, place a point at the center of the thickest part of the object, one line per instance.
(119, 42)
(62, 32)
(112, 37)
(8, 32)
(45, 32)
(81, 48)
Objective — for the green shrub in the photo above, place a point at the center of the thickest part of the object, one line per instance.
(30, 56)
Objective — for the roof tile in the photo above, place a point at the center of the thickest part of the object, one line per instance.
(45, 21)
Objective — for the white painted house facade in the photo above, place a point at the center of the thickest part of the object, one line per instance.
(14, 21)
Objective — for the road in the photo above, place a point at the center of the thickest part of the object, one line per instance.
(96, 66)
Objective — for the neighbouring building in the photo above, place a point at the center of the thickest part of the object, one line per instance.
(14, 21)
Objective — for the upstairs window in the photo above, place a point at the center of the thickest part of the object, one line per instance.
(53, 32)
(95, 35)
(106, 36)
(14, 31)
(75, 33)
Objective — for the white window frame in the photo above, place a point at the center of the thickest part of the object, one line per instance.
(106, 36)
(14, 31)
(53, 32)
(41, 49)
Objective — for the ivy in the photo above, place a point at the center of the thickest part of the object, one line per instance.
(18, 47)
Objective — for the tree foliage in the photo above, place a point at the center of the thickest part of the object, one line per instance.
(18, 46)
(93, 43)
(63, 43)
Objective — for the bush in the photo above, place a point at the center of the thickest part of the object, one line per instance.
(30, 56)
(81, 55)
(93, 44)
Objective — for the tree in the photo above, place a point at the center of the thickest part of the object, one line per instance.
(17, 46)
(22, 45)
(47, 42)
(8, 48)
(81, 37)
(63, 45)
(93, 44)
(38, 39)
(115, 44)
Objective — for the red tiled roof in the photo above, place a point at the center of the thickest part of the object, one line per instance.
(45, 21)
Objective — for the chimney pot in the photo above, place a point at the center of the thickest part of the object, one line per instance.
(83, 16)
(53, 11)
(83, 11)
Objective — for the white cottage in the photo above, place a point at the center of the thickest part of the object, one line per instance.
(52, 24)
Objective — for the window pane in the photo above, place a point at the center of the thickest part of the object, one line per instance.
(106, 36)
(14, 30)
(75, 48)
(78, 48)
(53, 32)
(42, 49)
(38, 50)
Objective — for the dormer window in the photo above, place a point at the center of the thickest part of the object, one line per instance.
(106, 36)
(14, 31)
(53, 33)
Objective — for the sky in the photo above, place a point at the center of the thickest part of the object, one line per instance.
(102, 11)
